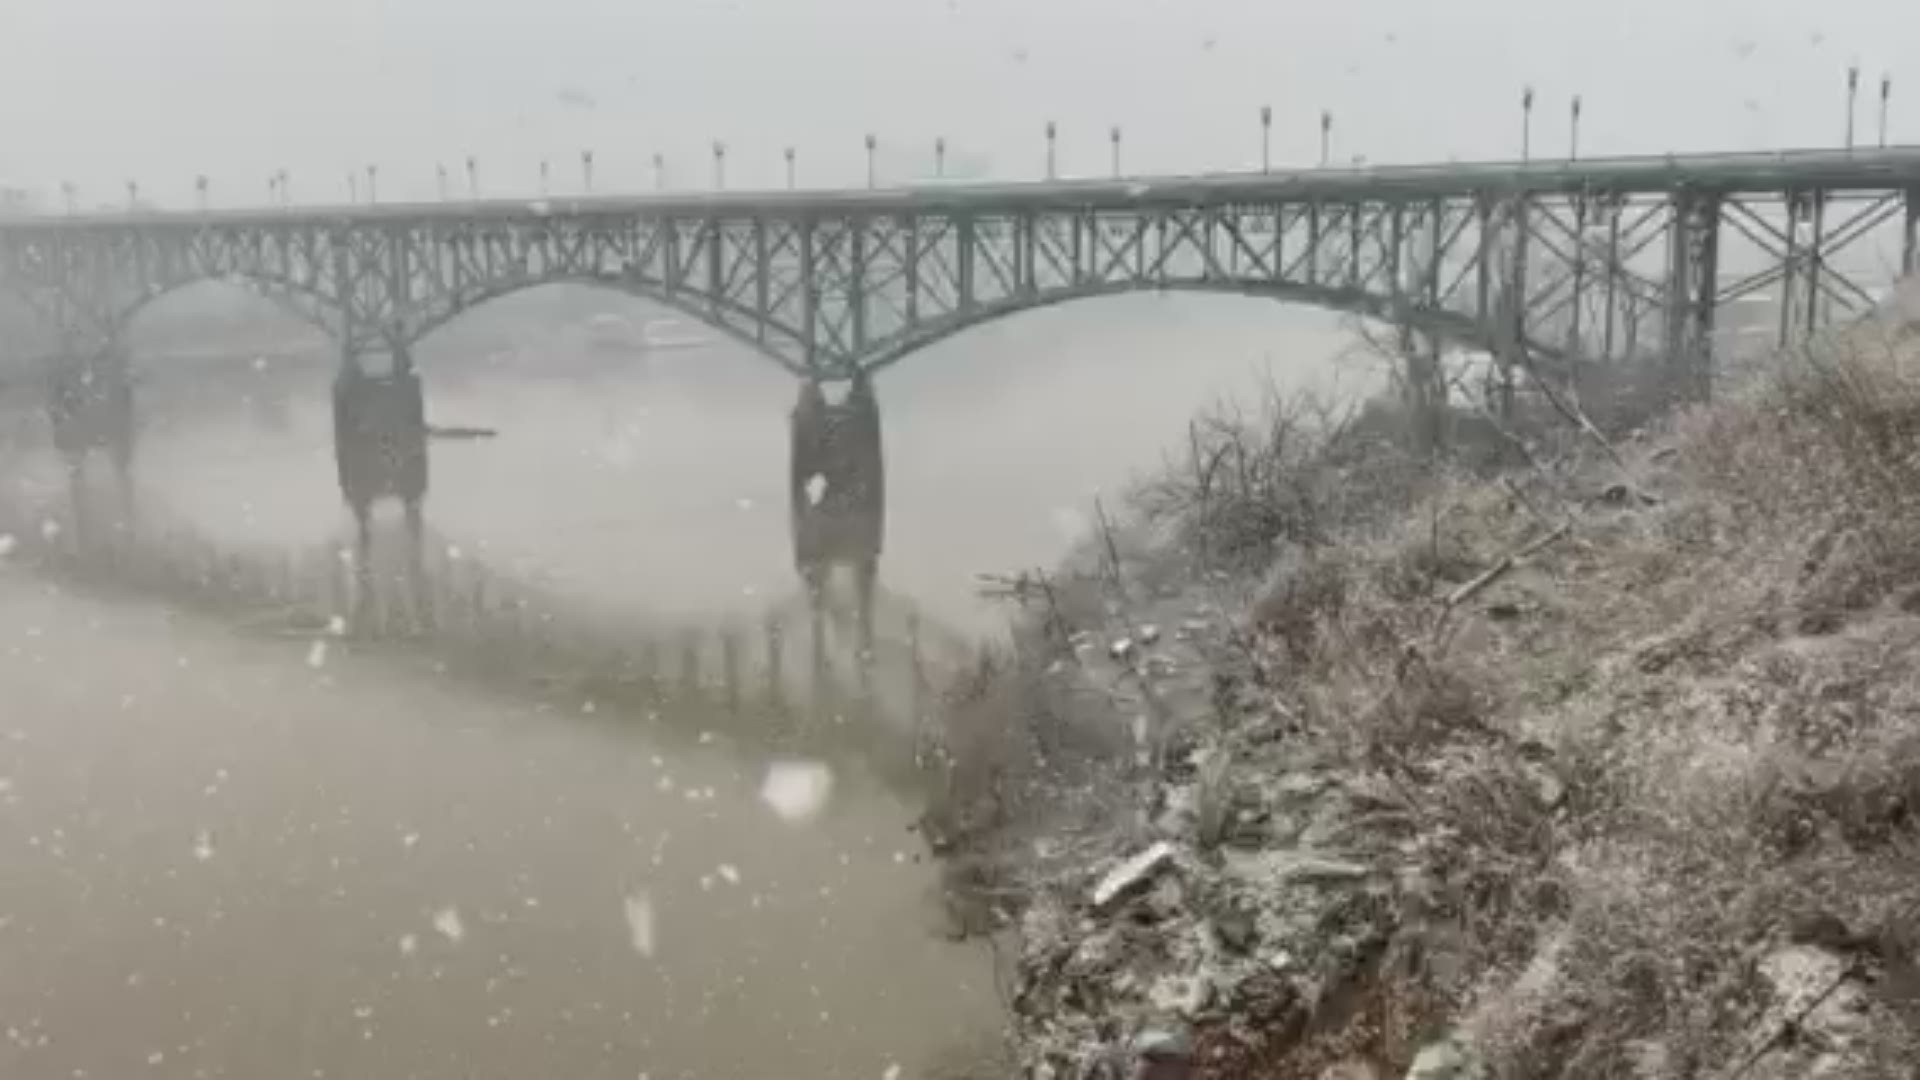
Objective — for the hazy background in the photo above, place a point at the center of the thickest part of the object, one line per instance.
(101, 91)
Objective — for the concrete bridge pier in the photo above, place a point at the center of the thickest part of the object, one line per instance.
(90, 408)
(838, 497)
(380, 448)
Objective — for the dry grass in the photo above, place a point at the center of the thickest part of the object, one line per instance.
(1613, 781)
(1725, 690)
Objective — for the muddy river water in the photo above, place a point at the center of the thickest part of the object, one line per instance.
(221, 858)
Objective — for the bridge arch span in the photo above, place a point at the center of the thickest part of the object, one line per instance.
(726, 317)
(1446, 325)
(303, 303)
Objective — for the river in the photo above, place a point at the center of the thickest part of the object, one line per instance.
(224, 856)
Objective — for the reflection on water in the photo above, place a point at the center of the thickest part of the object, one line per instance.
(219, 860)
(232, 857)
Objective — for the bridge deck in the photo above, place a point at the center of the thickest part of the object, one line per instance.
(1729, 173)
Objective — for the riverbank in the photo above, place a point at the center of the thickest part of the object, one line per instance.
(1325, 763)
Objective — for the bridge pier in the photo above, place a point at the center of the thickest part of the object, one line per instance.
(380, 449)
(838, 495)
(90, 407)
(1693, 278)
(1910, 242)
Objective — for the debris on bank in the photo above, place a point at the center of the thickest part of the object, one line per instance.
(1607, 767)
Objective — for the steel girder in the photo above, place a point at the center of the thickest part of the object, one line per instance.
(827, 284)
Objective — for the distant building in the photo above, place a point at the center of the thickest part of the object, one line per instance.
(18, 200)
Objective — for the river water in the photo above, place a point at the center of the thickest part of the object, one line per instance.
(223, 856)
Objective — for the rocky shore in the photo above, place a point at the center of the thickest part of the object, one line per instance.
(1330, 761)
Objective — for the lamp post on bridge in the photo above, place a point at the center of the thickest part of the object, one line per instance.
(71, 194)
(133, 196)
(473, 177)
(789, 157)
(719, 165)
(353, 187)
(545, 174)
(200, 192)
(586, 171)
(872, 144)
(940, 158)
(1853, 92)
(1526, 124)
(373, 173)
(659, 172)
(1886, 95)
(1266, 138)
(1573, 147)
(1326, 136)
(1114, 137)
(440, 181)
(1052, 133)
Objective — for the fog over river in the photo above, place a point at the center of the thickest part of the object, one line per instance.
(220, 857)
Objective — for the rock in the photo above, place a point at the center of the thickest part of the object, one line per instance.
(1546, 784)
(1121, 649)
(1149, 634)
(1163, 1043)
(1449, 1059)
(1815, 990)
(1316, 868)
(1236, 930)
(1121, 881)
(1183, 995)
(1622, 494)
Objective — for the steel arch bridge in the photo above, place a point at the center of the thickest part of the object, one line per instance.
(1564, 261)
(1593, 258)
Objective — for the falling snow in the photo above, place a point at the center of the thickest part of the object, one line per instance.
(639, 909)
(203, 845)
(797, 790)
(317, 653)
(447, 921)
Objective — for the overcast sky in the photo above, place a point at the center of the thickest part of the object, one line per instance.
(100, 91)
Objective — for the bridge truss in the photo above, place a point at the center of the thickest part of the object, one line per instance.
(1575, 260)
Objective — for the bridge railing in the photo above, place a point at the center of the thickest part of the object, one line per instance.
(1833, 167)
